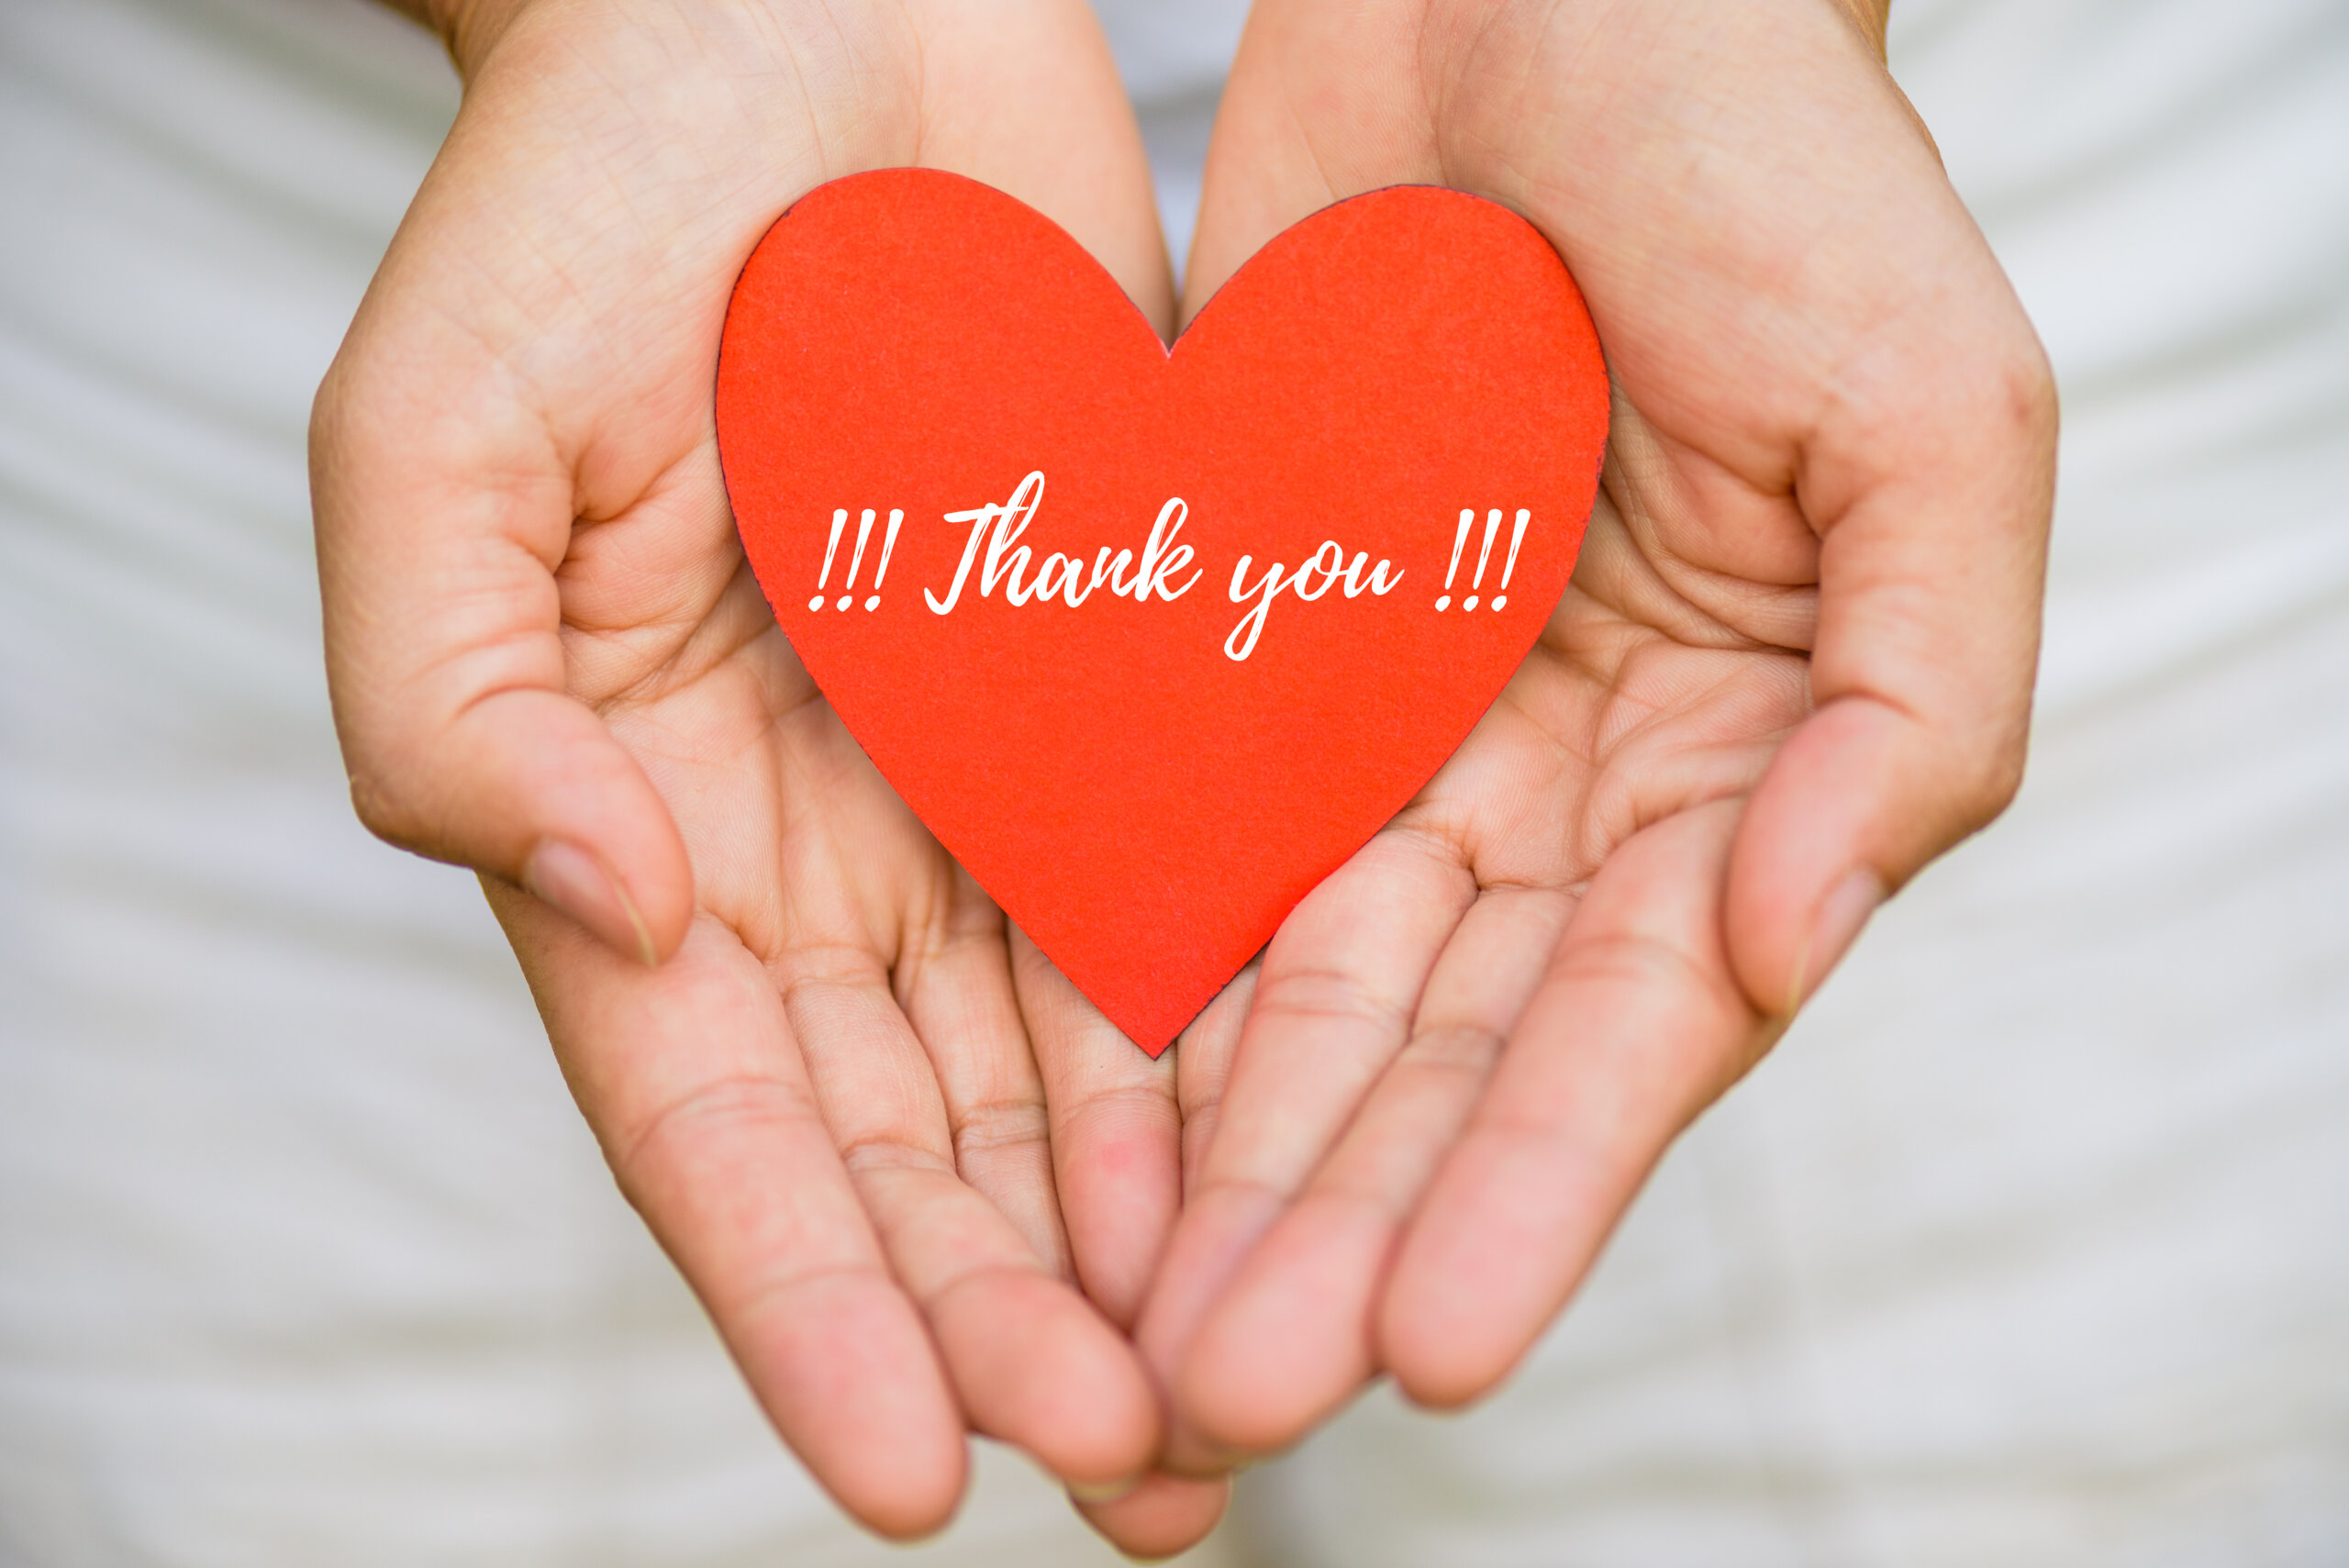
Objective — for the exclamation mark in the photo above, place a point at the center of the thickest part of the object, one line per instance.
(840, 522)
(1467, 516)
(1516, 537)
(864, 532)
(889, 542)
(1492, 526)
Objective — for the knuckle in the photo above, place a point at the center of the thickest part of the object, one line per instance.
(1999, 777)
(2007, 774)
(1461, 1049)
(1638, 962)
(991, 1125)
(2014, 405)
(888, 1153)
(382, 809)
(2028, 382)
(406, 808)
(1327, 994)
(747, 1107)
(1981, 780)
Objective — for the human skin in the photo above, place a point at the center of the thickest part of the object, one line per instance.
(792, 1020)
(1793, 665)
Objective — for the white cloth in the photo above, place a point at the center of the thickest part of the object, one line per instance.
(2028, 1246)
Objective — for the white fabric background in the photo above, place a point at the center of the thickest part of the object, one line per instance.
(2030, 1246)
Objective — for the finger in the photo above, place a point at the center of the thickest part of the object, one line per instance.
(1115, 1135)
(1637, 1025)
(1291, 1338)
(1161, 1516)
(1923, 461)
(687, 1077)
(1203, 1055)
(1332, 1005)
(953, 974)
(1932, 565)
(448, 669)
(1034, 1364)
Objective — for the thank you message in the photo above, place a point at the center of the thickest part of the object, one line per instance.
(998, 561)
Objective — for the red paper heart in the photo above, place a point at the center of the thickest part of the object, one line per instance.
(1146, 806)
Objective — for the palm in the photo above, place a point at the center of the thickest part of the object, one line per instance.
(1635, 704)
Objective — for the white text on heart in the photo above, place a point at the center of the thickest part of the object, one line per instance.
(1004, 562)
(1062, 577)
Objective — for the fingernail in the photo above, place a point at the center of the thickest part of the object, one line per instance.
(1099, 1492)
(572, 880)
(1841, 915)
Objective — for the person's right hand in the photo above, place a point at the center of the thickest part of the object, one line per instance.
(788, 1012)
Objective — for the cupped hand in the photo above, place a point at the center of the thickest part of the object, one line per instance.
(1793, 666)
(790, 1018)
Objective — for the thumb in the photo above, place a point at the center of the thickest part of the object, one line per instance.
(1932, 484)
(441, 521)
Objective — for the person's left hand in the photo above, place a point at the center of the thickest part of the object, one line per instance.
(1793, 665)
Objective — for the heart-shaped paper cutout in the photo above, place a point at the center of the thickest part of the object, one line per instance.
(1076, 680)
